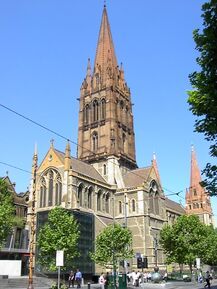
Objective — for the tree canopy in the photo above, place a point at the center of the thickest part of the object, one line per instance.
(203, 97)
(187, 239)
(113, 244)
(61, 232)
(7, 211)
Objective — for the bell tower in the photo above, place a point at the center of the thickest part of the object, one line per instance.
(197, 199)
(106, 133)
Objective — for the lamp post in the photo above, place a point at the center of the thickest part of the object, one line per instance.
(32, 223)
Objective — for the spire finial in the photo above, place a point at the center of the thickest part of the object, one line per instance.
(104, 3)
(36, 149)
(51, 143)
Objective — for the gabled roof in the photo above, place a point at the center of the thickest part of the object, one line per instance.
(83, 168)
(136, 178)
(173, 206)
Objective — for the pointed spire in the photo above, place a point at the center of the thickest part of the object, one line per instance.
(195, 171)
(88, 76)
(155, 166)
(67, 156)
(105, 47)
(35, 159)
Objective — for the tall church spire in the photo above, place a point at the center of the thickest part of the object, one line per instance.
(195, 178)
(105, 115)
(197, 199)
(105, 52)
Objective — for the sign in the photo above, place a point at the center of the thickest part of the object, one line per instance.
(59, 258)
(198, 263)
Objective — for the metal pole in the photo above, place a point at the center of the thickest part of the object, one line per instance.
(113, 255)
(58, 277)
(32, 226)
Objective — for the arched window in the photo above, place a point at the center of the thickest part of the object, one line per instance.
(103, 109)
(86, 114)
(156, 204)
(103, 202)
(58, 191)
(107, 198)
(104, 169)
(154, 198)
(50, 194)
(120, 207)
(95, 110)
(133, 205)
(195, 192)
(89, 198)
(99, 197)
(95, 141)
(43, 193)
(124, 142)
(80, 195)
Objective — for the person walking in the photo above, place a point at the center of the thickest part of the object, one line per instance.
(71, 279)
(107, 280)
(78, 278)
(207, 277)
(102, 281)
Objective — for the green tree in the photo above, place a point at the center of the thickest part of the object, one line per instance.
(203, 97)
(7, 211)
(209, 245)
(113, 244)
(61, 232)
(182, 242)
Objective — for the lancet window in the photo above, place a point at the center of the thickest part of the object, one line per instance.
(103, 109)
(89, 197)
(80, 195)
(95, 141)
(95, 110)
(50, 192)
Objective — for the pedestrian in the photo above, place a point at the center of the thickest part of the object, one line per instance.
(200, 277)
(71, 279)
(165, 277)
(207, 277)
(102, 281)
(107, 280)
(78, 278)
(137, 279)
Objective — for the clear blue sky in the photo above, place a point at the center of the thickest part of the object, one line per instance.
(44, 49)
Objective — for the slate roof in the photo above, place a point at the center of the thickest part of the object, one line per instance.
(83, 168)
(136, 177)
(171, 205)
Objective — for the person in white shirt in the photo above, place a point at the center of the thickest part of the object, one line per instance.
(102, 281)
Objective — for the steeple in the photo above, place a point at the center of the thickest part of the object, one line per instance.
(105, 114)
(105, 52)
(195, 178)
(197, 199)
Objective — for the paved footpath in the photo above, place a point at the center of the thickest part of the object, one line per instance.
(168, 285)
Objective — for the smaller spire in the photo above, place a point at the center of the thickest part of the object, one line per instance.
(67, 156)
(35, 159)
(155, 166)
(89, 72)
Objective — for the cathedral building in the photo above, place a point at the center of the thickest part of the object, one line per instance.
(103, 183)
